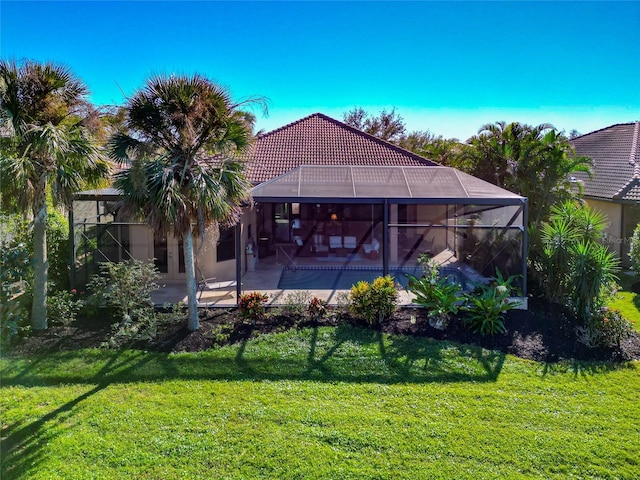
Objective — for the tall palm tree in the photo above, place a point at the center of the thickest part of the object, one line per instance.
(183, 133)
(46, 148)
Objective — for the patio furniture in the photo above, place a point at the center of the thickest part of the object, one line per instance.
(319, 249)
(212, 284)
(335, 242)
(372, 250)
(350, 243)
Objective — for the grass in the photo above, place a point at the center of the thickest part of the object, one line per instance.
(328, 403)
(628, 302)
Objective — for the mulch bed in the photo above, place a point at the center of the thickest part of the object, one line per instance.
(542, 333)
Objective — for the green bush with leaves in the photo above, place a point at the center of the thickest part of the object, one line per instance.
(125, 290)
(577, 270)
(252, 305)
(486, 305)
(374, 301)
(14, 312)
(63, 307)
(295, 304)
(439, 295)
(606, 328)
(634, 249)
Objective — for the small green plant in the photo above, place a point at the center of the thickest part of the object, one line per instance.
(220, 334)
(438, 294)
(374, 301)
(63, 307)
(252, 305)
(317, 308)
(487, 304)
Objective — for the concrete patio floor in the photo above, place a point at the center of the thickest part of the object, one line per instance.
(264, 279)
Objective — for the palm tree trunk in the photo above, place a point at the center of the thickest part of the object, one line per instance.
(40, 263)
(190, 271)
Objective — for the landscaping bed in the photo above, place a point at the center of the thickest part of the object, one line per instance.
(542, 333)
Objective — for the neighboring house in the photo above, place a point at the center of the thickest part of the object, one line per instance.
(328, 196)
(615, 186)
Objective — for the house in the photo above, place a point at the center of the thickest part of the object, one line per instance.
(329, 198)
(615, 186)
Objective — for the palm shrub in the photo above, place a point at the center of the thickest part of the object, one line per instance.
(374, 301)
(591, 277)
(577, 269)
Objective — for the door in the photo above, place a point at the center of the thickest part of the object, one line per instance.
(169, 257)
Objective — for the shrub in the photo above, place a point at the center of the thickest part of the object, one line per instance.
(607, 328)
(487, 304)
(317, 308)
(14, 266)
(58, 248)
(63, 307)
(438, 294)
(576, 269)
(375, 301)
(125, 288)
(295, 304)
(634, 249)
(252, 305)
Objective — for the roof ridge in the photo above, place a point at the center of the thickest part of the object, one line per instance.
(376, 139)
(634, 151)
(290, 124)
(604, 128)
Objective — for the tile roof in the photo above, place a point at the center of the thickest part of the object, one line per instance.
(615, 152)
(322, 140)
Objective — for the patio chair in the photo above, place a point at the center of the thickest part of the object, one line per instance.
(212, 284)
(372, 250)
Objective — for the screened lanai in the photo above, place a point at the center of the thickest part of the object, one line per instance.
(383, 219)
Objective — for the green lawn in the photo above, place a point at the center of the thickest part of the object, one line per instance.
(628, 302)
(317, 403)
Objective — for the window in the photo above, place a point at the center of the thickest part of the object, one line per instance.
(226, 248)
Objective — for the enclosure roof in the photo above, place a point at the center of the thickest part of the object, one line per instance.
(98, 194)
(360, 184)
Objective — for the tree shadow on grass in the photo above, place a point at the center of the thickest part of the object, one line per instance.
(23, 446)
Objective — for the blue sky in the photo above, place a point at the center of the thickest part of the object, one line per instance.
(447, 67)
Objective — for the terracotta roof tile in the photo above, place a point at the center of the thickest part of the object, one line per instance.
(616, 161)
(321, 140)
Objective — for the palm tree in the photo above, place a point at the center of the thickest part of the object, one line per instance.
(183, 133)
(46, 149)
(536, 162)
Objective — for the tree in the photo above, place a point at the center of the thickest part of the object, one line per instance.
(47, 148)
(183, 135)
(535, 162)
(388, 126)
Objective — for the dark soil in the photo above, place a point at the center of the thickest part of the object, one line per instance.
(542, 333)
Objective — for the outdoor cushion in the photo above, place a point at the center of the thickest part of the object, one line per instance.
(350, 242)
(335, 241)
(374, 246)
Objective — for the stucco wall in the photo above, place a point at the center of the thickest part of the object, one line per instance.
(613, 211)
